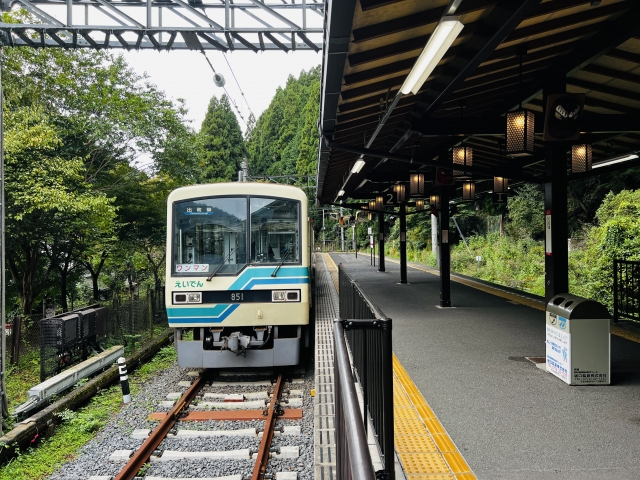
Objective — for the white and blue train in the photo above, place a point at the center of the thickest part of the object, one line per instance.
(239, 277)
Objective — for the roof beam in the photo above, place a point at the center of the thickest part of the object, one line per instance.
(592, 123)
(502, 20)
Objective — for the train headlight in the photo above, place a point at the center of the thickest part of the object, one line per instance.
(286, 296)
(187, 297)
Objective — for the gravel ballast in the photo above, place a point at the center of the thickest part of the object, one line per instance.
(93, 458)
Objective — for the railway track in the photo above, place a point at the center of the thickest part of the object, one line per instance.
(207, 424)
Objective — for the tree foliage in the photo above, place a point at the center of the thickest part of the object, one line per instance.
(526, 213)
(284, 140)
(221, 145)
(615, 235)
(74, 122)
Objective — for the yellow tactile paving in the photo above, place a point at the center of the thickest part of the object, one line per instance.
(423, 446)
(333, 271)
(424, 463)
(437, 476)
(621, 332)
(615, 329)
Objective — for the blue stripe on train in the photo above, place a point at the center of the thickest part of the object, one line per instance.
(249, 279)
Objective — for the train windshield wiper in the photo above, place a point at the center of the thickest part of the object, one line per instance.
(221, 264)
(284, 257)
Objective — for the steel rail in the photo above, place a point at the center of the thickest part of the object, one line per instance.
(267, 436)
(142, 455)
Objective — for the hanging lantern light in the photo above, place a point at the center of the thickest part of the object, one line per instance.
(416, 184)
(372, 205)
(379, 202)
(462, 156)
(400, 192)
(419, 205)
(520, 124)
(500, 184)
(581, 158)
(434, 201)
(468, 190)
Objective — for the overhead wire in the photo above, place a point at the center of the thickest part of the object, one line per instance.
(225, 89)
(239, 87)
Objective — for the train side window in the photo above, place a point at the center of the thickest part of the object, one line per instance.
(275, 230)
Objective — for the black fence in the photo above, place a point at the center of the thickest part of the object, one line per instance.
(626, 290)
(129, 320)
(368, 333)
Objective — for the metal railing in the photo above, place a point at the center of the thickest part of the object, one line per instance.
(353, 459)
(368, 333)
(626, 290)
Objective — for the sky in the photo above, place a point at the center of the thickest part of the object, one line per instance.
(187, 75)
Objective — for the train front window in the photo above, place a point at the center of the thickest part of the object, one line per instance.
(275, 230)
(210, 234)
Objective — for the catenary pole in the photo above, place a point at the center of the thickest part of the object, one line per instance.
(4, 405)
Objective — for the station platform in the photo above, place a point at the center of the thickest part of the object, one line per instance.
(474, 385)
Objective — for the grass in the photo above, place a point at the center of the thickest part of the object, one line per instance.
(79, 427)
(21, 377)
(505, 261)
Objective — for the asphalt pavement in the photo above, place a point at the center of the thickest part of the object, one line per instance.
(509, 419)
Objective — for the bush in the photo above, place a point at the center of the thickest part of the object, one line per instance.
(616, 235)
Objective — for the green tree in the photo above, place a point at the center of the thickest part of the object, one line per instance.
(48, 200)
(616, 235)
(221, 145)
(74, 121)
(284, 139)
(526, 213)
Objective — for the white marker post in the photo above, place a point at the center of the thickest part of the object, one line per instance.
(124, 380)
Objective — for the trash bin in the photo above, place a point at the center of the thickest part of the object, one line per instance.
(578, 340)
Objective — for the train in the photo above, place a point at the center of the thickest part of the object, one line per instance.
(239, 275)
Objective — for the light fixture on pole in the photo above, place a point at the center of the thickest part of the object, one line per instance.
(379, 202)
(372, 205)
(434, 201)
(419, 205)
(439, 42)
(520, 127)
(400, 192)
(520, 124)
(500, 184)
(581, 158)
(468, 190)
(357, 166)
(416, 184)
(462, 156)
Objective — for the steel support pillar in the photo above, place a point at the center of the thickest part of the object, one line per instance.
(403, 244)
(381, 241)
(556, 263)
(445, 253)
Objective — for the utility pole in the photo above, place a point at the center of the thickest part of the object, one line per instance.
(342, 231)
(4, 404)
(324, 243)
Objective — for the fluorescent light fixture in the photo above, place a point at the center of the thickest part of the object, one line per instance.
(357, 166)
(612, 161)
(341, 193)
(439, 42)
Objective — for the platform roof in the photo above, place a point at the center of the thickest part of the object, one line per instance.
(371, 46)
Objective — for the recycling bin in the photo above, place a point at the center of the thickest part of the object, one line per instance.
(578, 340)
